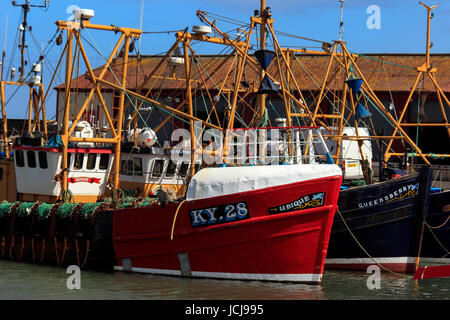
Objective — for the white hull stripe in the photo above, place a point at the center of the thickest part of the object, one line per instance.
(437, 261)
(402, 260)
(314, 278)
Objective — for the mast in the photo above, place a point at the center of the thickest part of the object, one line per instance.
(429, 17)
(141, 23)
(22, 45)
(2, 97)
(115, 122)
(23, 31)
(4, 48)
(429, 71)
(341, 23)
(261, 99)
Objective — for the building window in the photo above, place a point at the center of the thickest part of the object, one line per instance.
(104, 161)
(171, 169)
(79, 161)
(20, 160)
(137, 162)
(91, 160)
(31, 158)
(158, 168)
(1, 174)
(43, 164)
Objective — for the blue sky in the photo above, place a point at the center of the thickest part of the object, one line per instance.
(403, 25)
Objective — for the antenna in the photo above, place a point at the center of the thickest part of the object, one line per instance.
(341, 23)
(140, 26)
(23, 29)
(6, 33)
(429, 17)
(4, 47)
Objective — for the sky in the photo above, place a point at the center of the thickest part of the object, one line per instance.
(370, 26)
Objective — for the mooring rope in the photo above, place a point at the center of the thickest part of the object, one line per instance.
(43, 250)
(440, 226)
(175, 219)
(66, 247)
(56, 250)
(3, 246)
(437, 240)
(365, 251)
(21, 249)
(88, 243)
(11, 248)
(77, 246)
(32, 250)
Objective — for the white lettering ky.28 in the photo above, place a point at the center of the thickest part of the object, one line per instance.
(207, 216)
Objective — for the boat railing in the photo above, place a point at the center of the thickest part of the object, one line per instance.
(275, 146)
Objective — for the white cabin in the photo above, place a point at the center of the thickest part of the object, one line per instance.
(38, 169)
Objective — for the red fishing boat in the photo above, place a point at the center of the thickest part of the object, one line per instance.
(253, 223)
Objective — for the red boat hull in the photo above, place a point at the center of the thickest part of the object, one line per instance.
(283, 245)
(430, 272)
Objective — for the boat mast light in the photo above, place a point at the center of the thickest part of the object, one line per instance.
(83, 14)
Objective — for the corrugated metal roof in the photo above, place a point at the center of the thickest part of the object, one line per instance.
(385, 72)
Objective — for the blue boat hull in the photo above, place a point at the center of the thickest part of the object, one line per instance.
(383, 224)
(436, 239)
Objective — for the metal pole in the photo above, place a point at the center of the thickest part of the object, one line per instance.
(341, 23)
(121, 111)
(189, 105)
(261, 99)
(65, 126)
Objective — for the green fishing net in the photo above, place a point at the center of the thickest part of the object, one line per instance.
(43, 211)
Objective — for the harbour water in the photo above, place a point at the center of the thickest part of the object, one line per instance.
(21, 281)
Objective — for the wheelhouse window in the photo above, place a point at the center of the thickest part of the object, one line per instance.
(20, 159)
(137, 167)
(79, 161)
(43, 163)
(91, 160)
(104, 161)
(182, 172)
(126, 167)
(68, 160)
(171, 169)
(158, 167)
(31, 158)
(130, 167)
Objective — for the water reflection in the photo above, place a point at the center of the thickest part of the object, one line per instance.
(28, 281)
